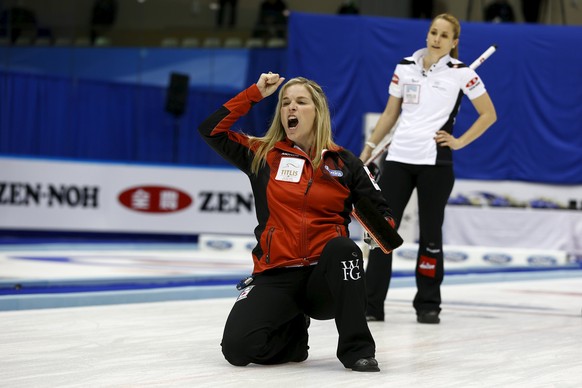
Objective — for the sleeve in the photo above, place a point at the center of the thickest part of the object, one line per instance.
(364, 185)
(471, 83)
(216, 129)
(395, 88)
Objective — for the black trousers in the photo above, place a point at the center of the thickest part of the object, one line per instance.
(433, 185)
(267, 324)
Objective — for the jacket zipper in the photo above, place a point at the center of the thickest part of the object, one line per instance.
(304, 228)
(269, 240)
(308, 185)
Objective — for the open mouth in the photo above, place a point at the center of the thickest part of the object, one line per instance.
(292, 122)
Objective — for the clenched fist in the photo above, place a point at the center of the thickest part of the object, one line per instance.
(268, 83)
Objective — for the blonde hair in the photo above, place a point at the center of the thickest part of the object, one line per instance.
(456, 30)
(276, 132)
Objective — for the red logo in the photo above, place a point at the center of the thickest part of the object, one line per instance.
(427, 266)
(395, 79)
(472, 82)
(155, 199)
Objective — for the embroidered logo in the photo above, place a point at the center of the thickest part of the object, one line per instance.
(472, 83)
(427, 266)
(244, 293)
(336, 173)
(395, 79)
(351, 270)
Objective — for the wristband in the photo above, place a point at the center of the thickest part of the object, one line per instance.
(371, 144)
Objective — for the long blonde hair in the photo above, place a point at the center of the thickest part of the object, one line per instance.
(456, 30)
(276, 132)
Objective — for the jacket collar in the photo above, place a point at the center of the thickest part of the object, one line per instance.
(288, 146)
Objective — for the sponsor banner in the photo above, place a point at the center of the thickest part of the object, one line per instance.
(513, 228)
(461, 256)
(218, 242)
(516, 194)
(75, 196)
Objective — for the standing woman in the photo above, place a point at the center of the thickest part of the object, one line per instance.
(425, 91)
(305, 264)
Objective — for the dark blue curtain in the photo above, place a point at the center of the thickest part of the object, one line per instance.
(58, 117)
(67, 117)
(96, 120)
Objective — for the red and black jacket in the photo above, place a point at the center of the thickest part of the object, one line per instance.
(296, 219)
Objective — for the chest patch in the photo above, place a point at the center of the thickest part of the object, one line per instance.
(411, 94)
(290, 169)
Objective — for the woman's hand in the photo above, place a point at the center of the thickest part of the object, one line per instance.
(268, 83)
(445, 139)
(366, 154)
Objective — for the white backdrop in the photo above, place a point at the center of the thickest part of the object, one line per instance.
(60, 195)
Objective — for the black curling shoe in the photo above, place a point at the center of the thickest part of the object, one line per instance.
(368, 364)
(428, 317)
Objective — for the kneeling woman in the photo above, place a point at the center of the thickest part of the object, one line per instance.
(305, 264)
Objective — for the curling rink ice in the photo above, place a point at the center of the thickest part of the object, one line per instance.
(152, 316)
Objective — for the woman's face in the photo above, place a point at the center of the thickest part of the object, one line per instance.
(441, 38)
(298, 115)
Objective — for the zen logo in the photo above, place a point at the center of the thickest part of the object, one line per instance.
(225, 202)
(351, 269)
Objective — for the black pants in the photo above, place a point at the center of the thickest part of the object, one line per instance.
(267, 324)
(433, 185)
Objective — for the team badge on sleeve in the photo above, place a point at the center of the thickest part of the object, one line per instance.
(395, 79)
(472, 83)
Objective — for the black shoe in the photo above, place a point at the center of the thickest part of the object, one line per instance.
(428, 317)
(303, 357)
(368, 364)
(372, 318)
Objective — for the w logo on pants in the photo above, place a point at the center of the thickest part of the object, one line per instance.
(351, 270)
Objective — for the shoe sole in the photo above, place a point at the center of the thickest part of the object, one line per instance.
(367, 369)
(428, 321)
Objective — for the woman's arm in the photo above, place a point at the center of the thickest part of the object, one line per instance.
(383, 126)
(487, 117)
(216, 128)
